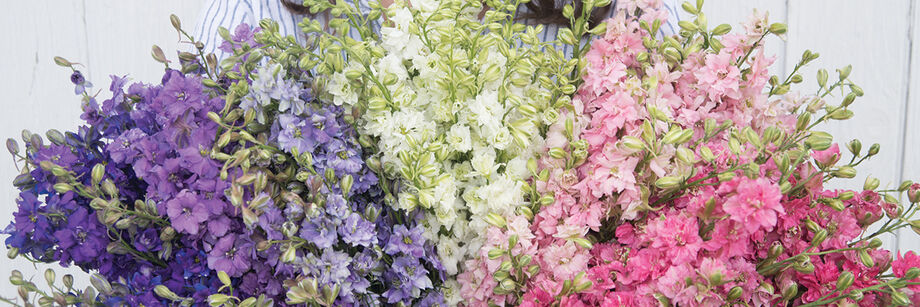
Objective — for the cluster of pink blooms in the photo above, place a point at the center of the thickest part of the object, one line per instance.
(663, 207)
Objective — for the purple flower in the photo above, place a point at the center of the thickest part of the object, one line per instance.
(320, 231)
(80, 82)
(357, 231)
(406, 241)
(148, 241)
(406, 279)
(231, 254)
(295, 133)
(336, 206)
(196, 161)
(82, 239)
(186, 212)
(122, 149)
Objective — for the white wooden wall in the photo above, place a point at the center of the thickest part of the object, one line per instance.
(114, 37)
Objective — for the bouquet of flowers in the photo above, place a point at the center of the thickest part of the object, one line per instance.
(238, 189)
(439, 154)
(686, 175)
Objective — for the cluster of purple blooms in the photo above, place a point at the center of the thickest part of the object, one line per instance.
(177, 208)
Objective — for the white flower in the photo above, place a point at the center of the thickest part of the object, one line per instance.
(341, 90)
(459, 138)
(450, 253)
(484, 162)
(501, 139)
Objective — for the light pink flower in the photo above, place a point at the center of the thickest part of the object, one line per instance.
(755, 203)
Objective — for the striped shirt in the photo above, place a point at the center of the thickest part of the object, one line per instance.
(230, 13)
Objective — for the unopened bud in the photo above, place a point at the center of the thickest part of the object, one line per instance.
(667, 182)
(873, 150)
(865, 258)
(734, 294)
(845, 280)
(871, 184)
(790, 291)
(97, 173)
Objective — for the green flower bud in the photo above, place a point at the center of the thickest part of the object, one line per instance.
(819, 140)
(854, 146)
(164, 292)
(819, 237)
(845, 280)
(68, 281)
(734, 294)
(875, 243)
(62, 188)
(495, 253)
(97, 173)
(865, 258)
(167, 234)
(496, 220)
(873, 150)
(726, 176)
(912, 273)
(871, 184)
(632, 143)
(790, 291)
(898, 298)
(778, 28)
(100, 283)
(668, 182)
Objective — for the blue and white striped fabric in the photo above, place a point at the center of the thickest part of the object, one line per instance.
(230, 13)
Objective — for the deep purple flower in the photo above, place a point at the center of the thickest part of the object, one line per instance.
(82, 239)
(148, 241)
(231, 254)
(80, 82)
(406, 241)
(28, 215)
(186, 212)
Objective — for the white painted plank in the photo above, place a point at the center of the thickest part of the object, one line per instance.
(734, 12)
(910, 157)
(121, 42)
(109, 36)
(872, 38)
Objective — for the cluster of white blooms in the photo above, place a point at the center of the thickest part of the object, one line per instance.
(457, 100)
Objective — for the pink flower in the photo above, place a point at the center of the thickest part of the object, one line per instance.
(612, 174)
(678, 284)
(720, 77)
(828, 157)
(676, 236)
(903, 263)
(564, 261)
(755, 204)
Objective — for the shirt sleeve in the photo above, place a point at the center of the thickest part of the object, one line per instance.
(221, 13)
(674, 17)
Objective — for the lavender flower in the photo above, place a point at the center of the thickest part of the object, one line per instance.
(231, 254)
(406, 241)
(186, 212)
